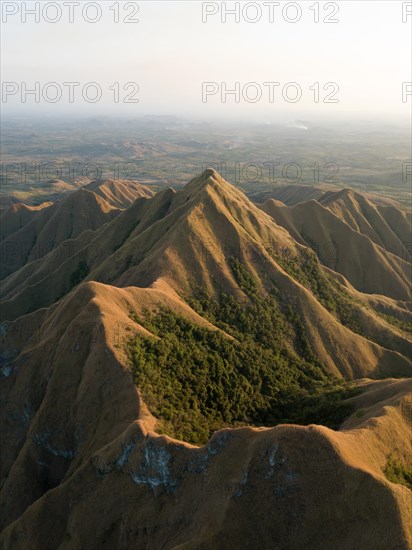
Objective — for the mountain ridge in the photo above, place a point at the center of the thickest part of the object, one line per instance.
(170, 274)
(118, 445)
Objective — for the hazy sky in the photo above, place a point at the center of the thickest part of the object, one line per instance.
(171, 52)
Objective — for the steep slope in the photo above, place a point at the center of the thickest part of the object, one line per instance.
(289, 194)
(387, 226)
(16, 216)
(368, 267)
(295, 193)
(41, 284)
(119, 193)
(208, 224)
(82, 466)
(63, 220)
(205, 237)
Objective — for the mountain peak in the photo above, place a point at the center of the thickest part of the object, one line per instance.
(210, 173)
(207, 177)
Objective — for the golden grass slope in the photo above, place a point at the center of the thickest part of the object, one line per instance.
(369, 267)
(17, 215)
(380, 219)
(83, 467)
(387, 226)
(185, 240)
(119, 193)
(65, 219)
(42, 283)
(289, 194)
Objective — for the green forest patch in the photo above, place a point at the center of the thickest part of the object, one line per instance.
(197, 380)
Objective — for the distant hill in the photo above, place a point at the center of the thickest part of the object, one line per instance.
(119, 193)
(63, 220)
(288, 194)
(291, 194)
(387, 226)
(370, 267)
(16, 216)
